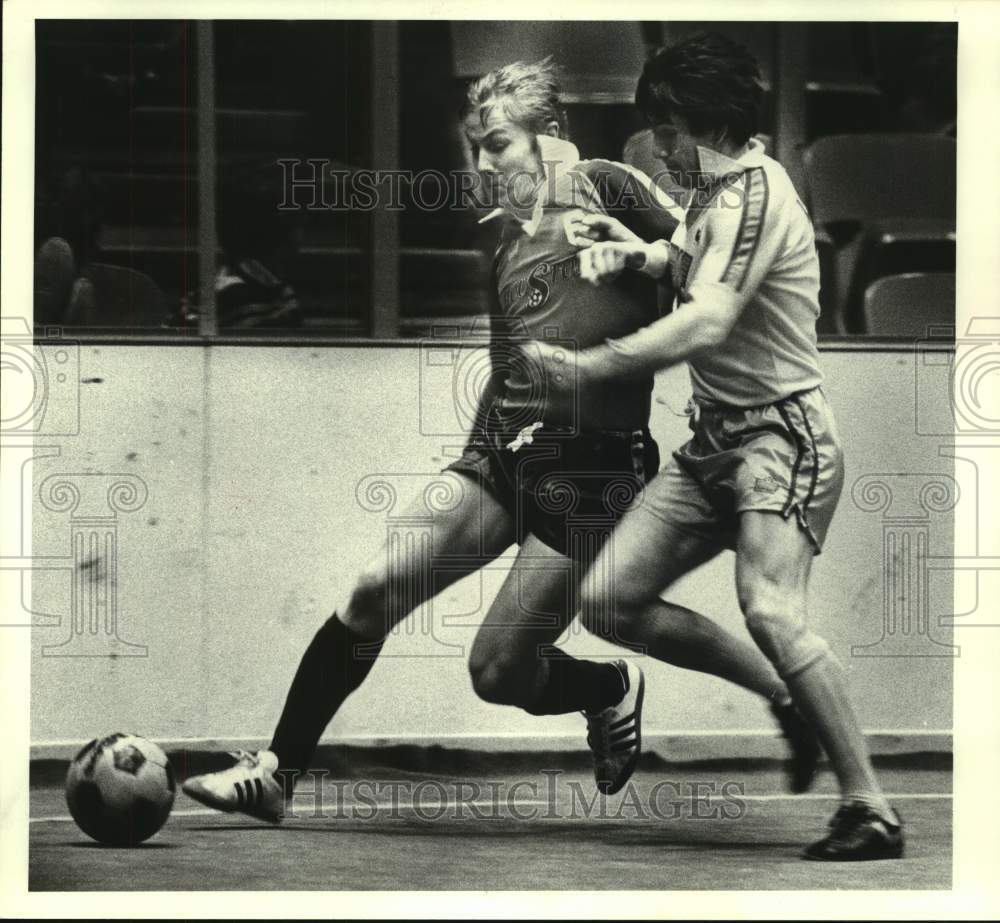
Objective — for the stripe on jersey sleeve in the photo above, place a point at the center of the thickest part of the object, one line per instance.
(751, 227)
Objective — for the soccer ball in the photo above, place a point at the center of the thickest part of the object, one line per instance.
(120, 789)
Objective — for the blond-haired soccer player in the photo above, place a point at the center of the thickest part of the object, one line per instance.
(533, 455)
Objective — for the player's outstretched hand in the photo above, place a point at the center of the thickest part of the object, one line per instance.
(603, 262)
(584, 229)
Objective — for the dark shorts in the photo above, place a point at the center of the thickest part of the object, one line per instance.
(569, 490)
(783, 457)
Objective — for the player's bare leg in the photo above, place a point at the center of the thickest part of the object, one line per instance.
(513, 663)
(393, 584)
(534, 605)
(620, 603)
(772, 572)
(643, 556)
(343, 651)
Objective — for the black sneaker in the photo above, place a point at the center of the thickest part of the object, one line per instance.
(615, 734)
(858, 834)
(804, 744)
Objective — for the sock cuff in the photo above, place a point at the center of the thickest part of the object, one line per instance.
(361, 648)
(874, 800)
(810, 650)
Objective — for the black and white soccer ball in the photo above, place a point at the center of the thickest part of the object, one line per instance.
(120, 789)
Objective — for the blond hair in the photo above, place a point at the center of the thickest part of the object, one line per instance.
(528, 94)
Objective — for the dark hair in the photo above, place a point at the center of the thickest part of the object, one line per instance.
(709, 80)
(529, 94)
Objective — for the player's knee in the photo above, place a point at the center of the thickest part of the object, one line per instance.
(610, 613)
(495, 680)
(782, 635)
(620, 625)
(365, 611)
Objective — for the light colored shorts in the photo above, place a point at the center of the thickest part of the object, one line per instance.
(784, 457)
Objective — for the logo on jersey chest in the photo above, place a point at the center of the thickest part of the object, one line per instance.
(533, 290)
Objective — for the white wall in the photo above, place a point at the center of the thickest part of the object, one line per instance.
(251, 532)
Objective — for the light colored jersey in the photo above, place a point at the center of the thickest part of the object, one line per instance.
(747, 238)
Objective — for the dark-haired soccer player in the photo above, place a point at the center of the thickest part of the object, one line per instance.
(532, 457)
(763, 470)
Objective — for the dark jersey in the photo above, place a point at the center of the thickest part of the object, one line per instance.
(538, 293)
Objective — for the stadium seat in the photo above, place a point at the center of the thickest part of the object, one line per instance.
(910, 303)
(842, 107)
(842, 93)
(116, 297)
(888, 202)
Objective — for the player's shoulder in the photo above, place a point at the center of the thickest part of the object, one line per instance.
(761, 194)
(612, 173)
(785, 204)
(780, 185)
(622, 185)
(600, 166)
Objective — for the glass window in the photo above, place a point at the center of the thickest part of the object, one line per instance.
(116, 174)
(313, 237)
(444, 252)
(293, 121)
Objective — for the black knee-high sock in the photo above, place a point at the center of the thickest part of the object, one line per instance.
(330, 670)
(576, 685)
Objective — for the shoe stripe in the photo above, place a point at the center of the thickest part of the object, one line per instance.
(615, 725)
(239, 793)
(249, 793)
(622, 734)
(260, 790)
(625, 747)
(880, 826)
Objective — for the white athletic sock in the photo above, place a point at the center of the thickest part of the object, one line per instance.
(781, 698)
(876, 801)
(820, 694)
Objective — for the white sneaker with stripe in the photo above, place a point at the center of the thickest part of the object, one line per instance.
(615, 734)
(250, 787)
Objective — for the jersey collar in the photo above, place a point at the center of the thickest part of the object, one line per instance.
(718, 164)
(559, 156)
